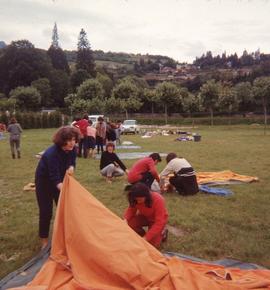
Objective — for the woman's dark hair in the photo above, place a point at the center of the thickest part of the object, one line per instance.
(90, 122)
(155, 156)
(170, 157)
(139, 190)
(100, 119)
(110, 144)
(65, 134)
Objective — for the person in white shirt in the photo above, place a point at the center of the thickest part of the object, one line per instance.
(184, 177)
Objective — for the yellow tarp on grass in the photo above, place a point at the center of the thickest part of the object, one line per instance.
(223, 176)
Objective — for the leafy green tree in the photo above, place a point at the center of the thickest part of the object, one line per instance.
(169, 96)
(85, 59)
(114, 105)
(125, 89)
(128, 92)
(78, 77)
(131, 104)
(150, 98)
(44, 88)
(261, 91)
(78, 105)
(7, 104)
(106, 83)
(58, 58)
(244, 95)
(90, 89)
(209, 94)
(20, 64)
(59, 82)
(96, 105)
(27, 98)
(191, 103)
(228, 100)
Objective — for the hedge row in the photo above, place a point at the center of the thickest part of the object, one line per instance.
(33, 120)
(203, 121)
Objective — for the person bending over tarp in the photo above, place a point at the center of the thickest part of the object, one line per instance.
(147, 209)
(50, 173)
(110, 164)
(184, 179)
(144, 170)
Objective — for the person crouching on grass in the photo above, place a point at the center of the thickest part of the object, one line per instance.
(184, 177)
(54, 163)
(147, 209)
(110, 165)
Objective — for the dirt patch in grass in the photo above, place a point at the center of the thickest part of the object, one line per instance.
(178, 232)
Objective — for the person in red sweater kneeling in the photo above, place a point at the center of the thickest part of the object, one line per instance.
(147, 209)
(144, 170)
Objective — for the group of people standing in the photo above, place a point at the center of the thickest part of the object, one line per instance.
(146, 207)
(96, 137)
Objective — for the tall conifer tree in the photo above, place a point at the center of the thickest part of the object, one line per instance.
(56, 54)
(85, 59)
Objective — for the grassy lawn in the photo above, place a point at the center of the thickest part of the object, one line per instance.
(213, 227)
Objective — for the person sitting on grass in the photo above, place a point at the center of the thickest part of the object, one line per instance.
(52, 167)
(144, 170)
(110, 165)
(184, 177)
(147, 209)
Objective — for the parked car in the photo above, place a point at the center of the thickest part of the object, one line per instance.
(130, 126)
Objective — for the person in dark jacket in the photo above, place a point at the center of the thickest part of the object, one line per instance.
(15, 130)
(52, 167)
(110, 133)
(110, 165)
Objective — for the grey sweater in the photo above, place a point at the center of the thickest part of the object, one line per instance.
(15, 130)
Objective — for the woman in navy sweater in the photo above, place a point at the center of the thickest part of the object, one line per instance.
(54, 163)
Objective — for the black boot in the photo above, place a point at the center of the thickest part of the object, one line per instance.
(13, 155)
(19, 154)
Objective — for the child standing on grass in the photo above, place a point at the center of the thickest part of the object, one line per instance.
(15, 130)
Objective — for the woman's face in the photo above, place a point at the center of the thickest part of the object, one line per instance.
(69, 145)
(140, 199)
(110, 149)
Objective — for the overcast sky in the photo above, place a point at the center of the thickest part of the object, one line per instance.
(182, 29)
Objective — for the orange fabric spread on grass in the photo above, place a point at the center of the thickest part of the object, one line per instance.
(92, 248)
(226, 175)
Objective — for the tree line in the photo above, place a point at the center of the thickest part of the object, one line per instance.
(31, 78)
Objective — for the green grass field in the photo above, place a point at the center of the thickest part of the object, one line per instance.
(213, 227)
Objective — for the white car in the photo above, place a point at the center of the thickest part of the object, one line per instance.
(130, 126)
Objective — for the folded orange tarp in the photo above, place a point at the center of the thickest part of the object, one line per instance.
(223, 176)
(92, 248)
